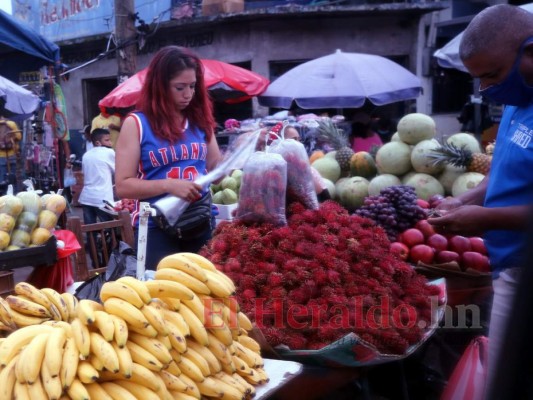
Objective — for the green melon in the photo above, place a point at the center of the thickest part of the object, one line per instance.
(328, 168)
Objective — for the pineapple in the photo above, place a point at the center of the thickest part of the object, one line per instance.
(462, 157)
(329, 133)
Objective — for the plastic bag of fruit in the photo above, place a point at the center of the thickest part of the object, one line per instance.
(300, 185)
(263, 190)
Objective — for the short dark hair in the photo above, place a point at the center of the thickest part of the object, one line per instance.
(96, 135)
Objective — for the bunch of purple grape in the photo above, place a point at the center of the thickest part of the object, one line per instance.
(394, 209)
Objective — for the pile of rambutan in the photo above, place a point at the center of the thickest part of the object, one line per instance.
(322, 276)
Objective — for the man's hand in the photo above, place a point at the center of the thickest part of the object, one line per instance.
(462, 220)
(449, 203)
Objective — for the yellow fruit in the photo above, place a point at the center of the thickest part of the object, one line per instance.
(56, 203)
(47, 219)
(40, 236)
(20, 238)
(7, 222)
(4, 240)
(316, 155)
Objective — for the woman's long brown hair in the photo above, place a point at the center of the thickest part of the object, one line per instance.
(156, 98)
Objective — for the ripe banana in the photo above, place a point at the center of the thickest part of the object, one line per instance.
(86, 309)
(196, 326)
(153, 313)
(251, 358)
(190, 369)
(65, 326)
(201, 261)
(77, 391)
(230, 380)
(166, 288)
(153, 346)
(163, 392)
(58, 301)
(148, 331)
(128, 312)
(125, 362)
(192, 387)
(172, 382)
(117, 392)
(22, 320)
(218, 327)
(32, 293)
(218, 285)
(20, 391)
(171, 303)
(54, 312)
(122, 291)
(97, 392)
(253, 378)
(104, 351)
(6, 328)
(121, 330)
(177, 339)
(220, 350)
(210, 388)
(177, 261)
(199, 360)
(143, 357)
(54, 350)
(97, 364)
(104, 322)
(173, 368)
(165, 340)
(72, 304)
(26, 306)
(17, 340)
(138, 286)
(212, 361)
(8, 378)
(196, 305)
(242, 381)
(52, 385)
(182, 396)
(69, 364)
(86, 372)
(244, 321)
(139, 391)
(36, 391)
(250, 343)
(241, 366)
(184, 278)
(80, 334)
(5, 314)
(145, 377)
(31, 357)
(178, 320)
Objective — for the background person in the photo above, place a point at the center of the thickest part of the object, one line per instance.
(362, 137)
(98, 166)
(501, 203)
(111, 122)
(167, 143)
(10, 137)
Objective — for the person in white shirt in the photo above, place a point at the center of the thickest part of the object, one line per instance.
(98, 166)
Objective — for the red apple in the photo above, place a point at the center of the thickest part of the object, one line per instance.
(425, 227)
(412, 237)
(422, 203)
(423, 253)
(438, 242)
(478, 245)
(447, 256)
(475, 260)
(400, 249)
(459, 244)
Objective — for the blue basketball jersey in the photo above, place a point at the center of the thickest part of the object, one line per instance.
(185, 159)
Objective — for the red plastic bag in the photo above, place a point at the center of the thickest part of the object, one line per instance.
(469, 377)
(59, 276)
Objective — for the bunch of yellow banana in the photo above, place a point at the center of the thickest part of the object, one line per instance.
(32, 306)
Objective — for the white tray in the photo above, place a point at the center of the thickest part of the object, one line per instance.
(280, 372)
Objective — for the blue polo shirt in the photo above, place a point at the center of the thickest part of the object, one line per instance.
(510, 184)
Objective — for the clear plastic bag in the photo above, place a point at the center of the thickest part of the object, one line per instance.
(262, 196)
(171, 207)
(300, 185)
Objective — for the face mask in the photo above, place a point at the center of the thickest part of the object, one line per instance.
(513, 90)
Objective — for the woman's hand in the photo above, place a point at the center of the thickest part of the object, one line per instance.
(183, 189)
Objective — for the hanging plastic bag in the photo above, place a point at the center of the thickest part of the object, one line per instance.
(68, 177)
(170, 207)
(122, 262)
(469, 377)
(262, 196)
(300, 184)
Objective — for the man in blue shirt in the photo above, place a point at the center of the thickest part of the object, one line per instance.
(497, 48)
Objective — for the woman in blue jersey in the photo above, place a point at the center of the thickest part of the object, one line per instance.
(167, 143)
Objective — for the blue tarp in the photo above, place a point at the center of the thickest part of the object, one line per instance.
(23, 49)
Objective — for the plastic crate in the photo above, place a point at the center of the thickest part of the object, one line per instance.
(45, 255)
(7, 283)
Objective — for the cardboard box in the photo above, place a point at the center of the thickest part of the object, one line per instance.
(226, 211)
(214, 7)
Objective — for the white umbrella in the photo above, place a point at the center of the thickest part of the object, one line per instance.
(17, 99)
(342, 80)
(448, 56)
